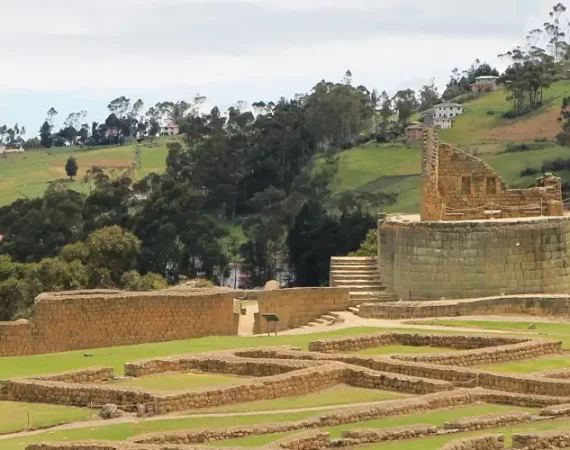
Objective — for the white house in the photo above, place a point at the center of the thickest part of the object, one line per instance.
(447, 110)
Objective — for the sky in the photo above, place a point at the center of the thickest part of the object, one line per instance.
(78, 55)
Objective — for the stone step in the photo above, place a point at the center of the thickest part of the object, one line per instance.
(378, 288)
(329, 317)
(358, 283)
(345, 268)
(356, 276)
(351, 259)
(313, 324)
(354, 309)
(373, 297)
(319, 321)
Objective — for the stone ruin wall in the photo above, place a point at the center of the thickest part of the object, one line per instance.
(431, 260)
(540, 305)
(298, 306)
(73, 321)
(459, 186)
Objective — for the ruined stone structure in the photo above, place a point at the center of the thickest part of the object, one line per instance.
(474, 236)
(459, 186)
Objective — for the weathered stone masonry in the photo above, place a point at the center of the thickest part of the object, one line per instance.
(459, 186)
(431, 260)
(72, 321)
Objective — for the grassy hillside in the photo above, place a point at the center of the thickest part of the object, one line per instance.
(481, 130)
(28, 174)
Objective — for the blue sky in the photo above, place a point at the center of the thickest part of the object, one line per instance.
(79, 55)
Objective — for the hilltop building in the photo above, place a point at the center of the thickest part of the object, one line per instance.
(487, 83)
(442, 115)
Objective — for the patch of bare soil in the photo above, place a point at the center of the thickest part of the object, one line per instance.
(544, 125)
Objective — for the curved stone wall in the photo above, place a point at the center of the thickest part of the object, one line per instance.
(427, 260)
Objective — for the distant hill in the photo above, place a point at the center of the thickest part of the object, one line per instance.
(481, 131)
(28, 174)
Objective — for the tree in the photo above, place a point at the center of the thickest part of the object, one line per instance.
(405, 103)
(119, 106)
(557, 45)
(71, 167)
(429, 96)
(46, 139)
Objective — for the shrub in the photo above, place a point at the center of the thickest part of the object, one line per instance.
(563, 139)
(556, 165)
(529, 171)
(491, 112)
(512, 148)
(369, 247)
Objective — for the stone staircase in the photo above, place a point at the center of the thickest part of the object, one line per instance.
(328, 319)
(361, 276)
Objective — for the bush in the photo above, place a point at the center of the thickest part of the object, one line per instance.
(563, 139)
(369, 247)
(491, 112)
(529, 171)
(540, 140)
(556, 165)
(133, 281)
(512, 148)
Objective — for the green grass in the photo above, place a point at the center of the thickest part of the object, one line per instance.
(14, 416)
(340, 395)
(531, 366)
(28, 174)
(180, 381)
(18, 366)
(124, 431)
(364, 164)
(407, 349)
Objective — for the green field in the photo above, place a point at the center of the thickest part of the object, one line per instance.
(339, 395)
(14, 416)
(180, 381)
(531, 366)
(116, 357)
(28, 174)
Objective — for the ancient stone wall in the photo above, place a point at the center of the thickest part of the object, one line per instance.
(356, 343)
(459, 186)
(485, 442)
(298, 306)
(536, 441)
(73, 321)
(428, 260)
(540, 305)
(498, 420)
(91, 375)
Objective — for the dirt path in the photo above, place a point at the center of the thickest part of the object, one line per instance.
(95, 423)
(352, 321)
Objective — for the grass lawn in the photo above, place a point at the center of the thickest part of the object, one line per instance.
(339, 395)
(180, 381)
(407, 349)
(123, 431)
(14, 416)
(18, 366)
(531, 366)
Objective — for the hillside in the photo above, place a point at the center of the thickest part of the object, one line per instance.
(481, 130)
(28, 174)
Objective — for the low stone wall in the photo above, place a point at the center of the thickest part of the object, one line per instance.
(372, 379)
(80, 320)
(357, 343)
(493, 355)
(486, 442)
(91, 375)
(298, 306)
(488, 421)
(318, 440)
(556, 411)
(539, 305)
(535, 441)
(562, 374)
(104, 445)
(365, 436)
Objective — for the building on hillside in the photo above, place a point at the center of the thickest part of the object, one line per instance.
(170, 129)
(487, 83)
(431, 120)
(447, 110)
(414, 133)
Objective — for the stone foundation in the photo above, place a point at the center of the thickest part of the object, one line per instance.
(431, 260)
(486, 442)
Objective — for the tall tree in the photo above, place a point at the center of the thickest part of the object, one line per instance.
(71, 167)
